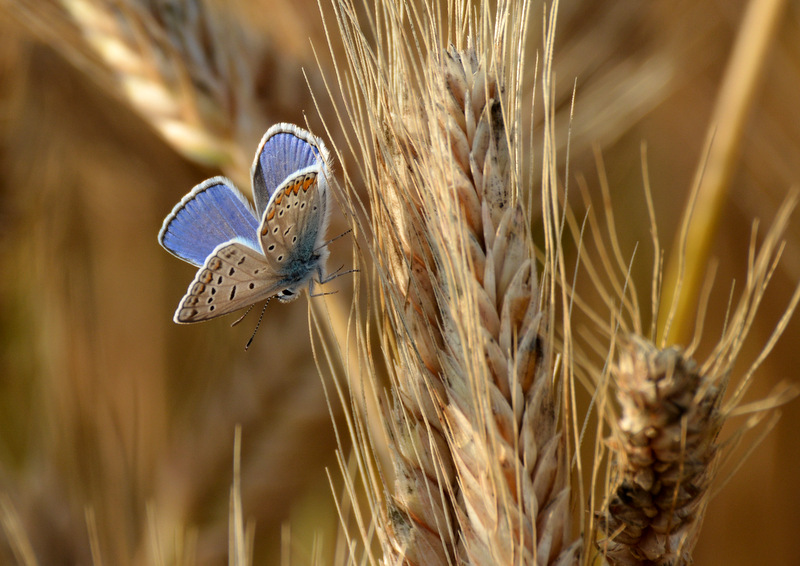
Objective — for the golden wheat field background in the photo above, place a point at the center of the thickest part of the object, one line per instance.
(118, 427)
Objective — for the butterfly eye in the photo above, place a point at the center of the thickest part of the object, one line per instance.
(287, 293)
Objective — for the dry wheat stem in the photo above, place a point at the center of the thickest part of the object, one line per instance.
(15, 533)
(726, 129)
(240, 547)
(664, 447)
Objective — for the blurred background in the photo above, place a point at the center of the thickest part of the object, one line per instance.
(117, 425)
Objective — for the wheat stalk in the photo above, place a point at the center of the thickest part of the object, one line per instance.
(665, 448)
(713, 177)
(18, 539)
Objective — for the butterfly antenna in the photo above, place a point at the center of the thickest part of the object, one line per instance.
(258, 324)
(241, 318)
(345, 233)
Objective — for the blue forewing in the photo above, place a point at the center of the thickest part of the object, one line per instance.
(213, 212)
(284, 150)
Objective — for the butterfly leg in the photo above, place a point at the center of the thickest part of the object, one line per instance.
(334, 275)
(311, 292)
(322, 280)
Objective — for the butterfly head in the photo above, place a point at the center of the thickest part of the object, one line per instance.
(288, 295)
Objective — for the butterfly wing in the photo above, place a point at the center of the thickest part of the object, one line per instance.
(284, 150)
(293, 227)
(213, 212)
(233, 276)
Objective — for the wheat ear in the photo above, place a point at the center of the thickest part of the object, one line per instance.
(184, 68)
(664, 455)
(665, 449)
(501, 413)
(474, 423)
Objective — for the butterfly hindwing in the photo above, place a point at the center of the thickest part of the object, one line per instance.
(294, 224)
(212, 213)
(284, 150)
(233, 276)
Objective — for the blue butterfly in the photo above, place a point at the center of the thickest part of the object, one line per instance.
(246, 256)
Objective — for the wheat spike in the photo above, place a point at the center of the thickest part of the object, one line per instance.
(500, 412)
(475, 423)
(183, 67)
(666, 453)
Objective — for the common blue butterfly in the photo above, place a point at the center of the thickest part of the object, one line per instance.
(246, 256)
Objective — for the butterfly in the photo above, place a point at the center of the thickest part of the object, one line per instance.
(245, 255)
